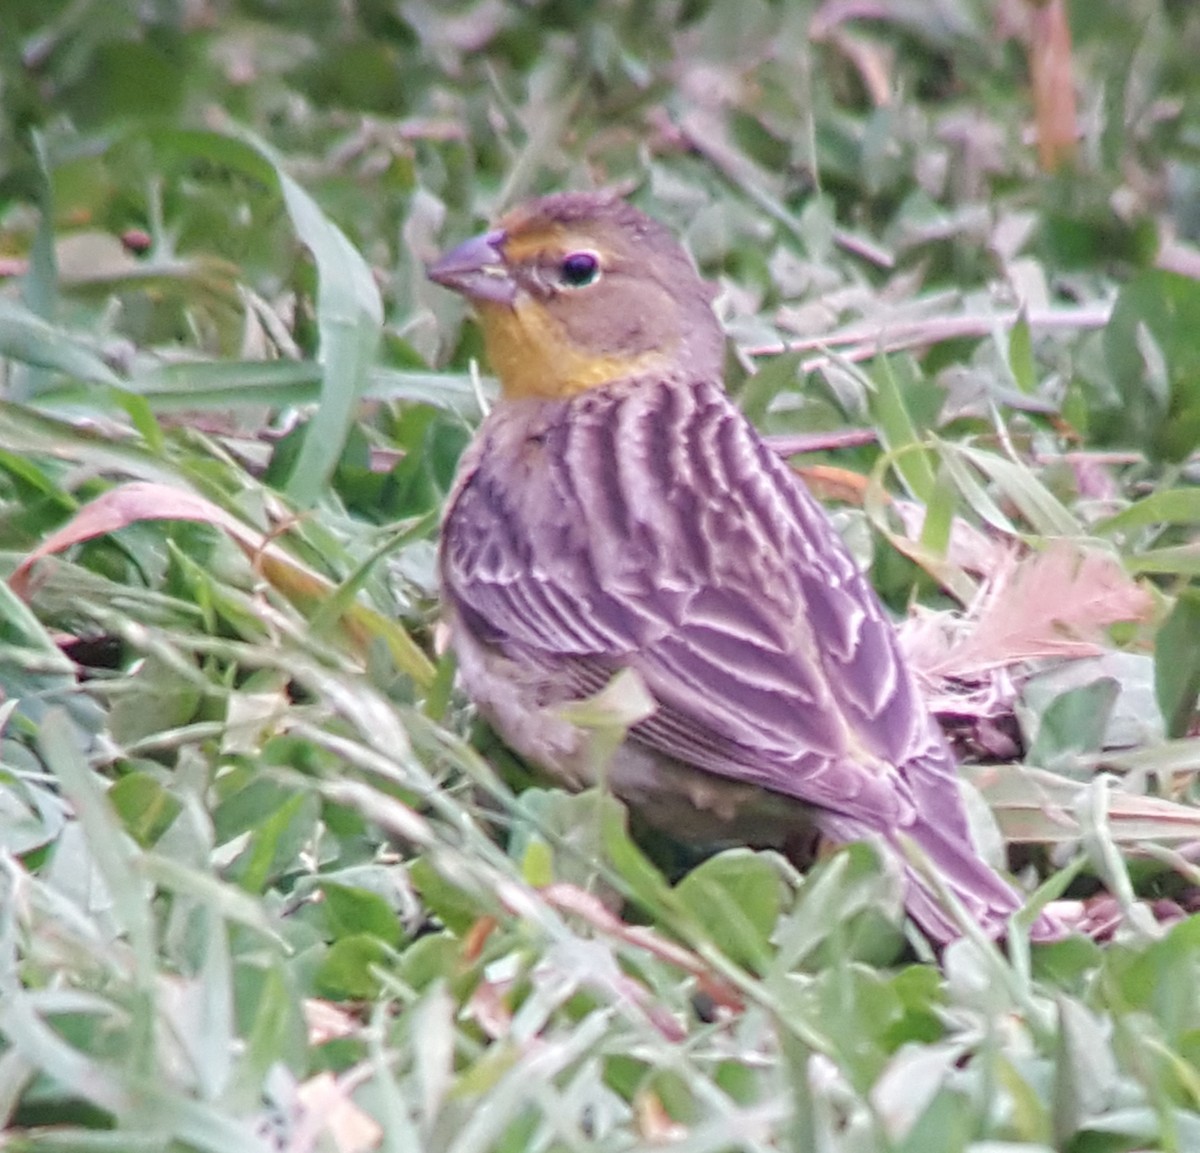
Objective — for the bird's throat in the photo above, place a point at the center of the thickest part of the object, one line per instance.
(533, 358)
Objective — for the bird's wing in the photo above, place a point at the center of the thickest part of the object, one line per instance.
(663, 535)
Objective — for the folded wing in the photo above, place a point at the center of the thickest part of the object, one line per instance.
(664, 536)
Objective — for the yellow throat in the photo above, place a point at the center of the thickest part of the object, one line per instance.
(533, 357)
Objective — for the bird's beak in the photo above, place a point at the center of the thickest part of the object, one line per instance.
(477, 269)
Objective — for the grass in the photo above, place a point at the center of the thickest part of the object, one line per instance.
(265, 883)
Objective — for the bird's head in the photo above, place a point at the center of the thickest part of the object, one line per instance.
(580, 289)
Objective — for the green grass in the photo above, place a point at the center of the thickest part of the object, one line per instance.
(264, 883)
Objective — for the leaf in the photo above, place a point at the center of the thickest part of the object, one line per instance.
(225, 384)
(27, 338)
(144, 806)
(779, 374)
(608, 715)
(274, 841)
(1036, 806)
(557, 835)
(114, 853)
(846, 909)
(1086, 1073)
(897, 429)
(143, 500)
(736, 897)
(349, 910)
(642, 880)
(1177, 664)
(1154, 359)
(937, 525)
(349, 323)
(1130, 721)
(456, 907)
(1046, 514)
(906, 1088)
(1020, 355)
(1074, 722)
(347, 972)
(944, 565)
(1164, 506)
(1175, 560)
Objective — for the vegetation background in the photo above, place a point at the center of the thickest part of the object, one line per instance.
(263, 885)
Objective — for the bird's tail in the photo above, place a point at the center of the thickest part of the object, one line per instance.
(984, 896)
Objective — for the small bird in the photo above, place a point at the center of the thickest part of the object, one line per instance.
(617, 511)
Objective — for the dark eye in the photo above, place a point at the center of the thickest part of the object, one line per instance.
(580, 269)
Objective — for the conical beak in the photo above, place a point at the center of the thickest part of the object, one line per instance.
(477, 269)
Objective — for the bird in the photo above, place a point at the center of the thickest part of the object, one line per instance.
(616, 511)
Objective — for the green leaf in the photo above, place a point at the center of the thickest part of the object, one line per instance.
(1154, 359)
(350, 911)
(848, 907)
(27, 338)
(225, 384)
(453, 905)
(892, 378)
(736, 897)
(557, 836)
(1086, 1072)
(144, 806)
(157, 697)
(1174, 560)
(429, 959)
(776, 375)
(1016, 481)
(1159, 979)
(1164, 506)
(1020, 355)
(1177, 664)
(40, 288)
(116, 860)
(1074, 724)
(939, 514)
(347, 972)
(276, 838)
(272, 1022)
(644, 883)
(349, 323)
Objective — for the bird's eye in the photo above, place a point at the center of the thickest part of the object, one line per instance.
(579, 269)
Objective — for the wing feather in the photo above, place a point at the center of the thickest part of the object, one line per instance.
(653, 529)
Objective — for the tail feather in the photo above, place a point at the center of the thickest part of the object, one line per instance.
(984, 896)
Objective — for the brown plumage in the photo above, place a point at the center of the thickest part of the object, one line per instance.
(617, 511)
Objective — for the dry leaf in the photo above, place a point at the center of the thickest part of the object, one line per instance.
(1036, 806)
(488, 1009)
(872, 61)
(326, 1106)
(476, 938)
(654, 1123)
(326, 1022)
(1053, 86)
(829, 482)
